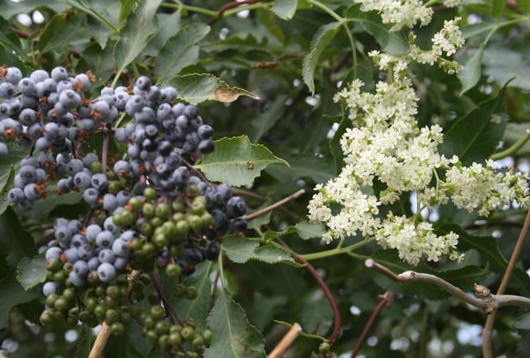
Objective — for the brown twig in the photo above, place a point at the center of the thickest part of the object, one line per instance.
(327, 292)
(105, 331)
(286, 341)
(229, 6)
(101, 341)
(161, 295)
(384, 301)
(488, 326)
(253, 195)
(275, 205)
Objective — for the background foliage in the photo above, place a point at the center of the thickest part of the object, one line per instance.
(269, 73)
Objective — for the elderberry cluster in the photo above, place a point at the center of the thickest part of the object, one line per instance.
(149, 210)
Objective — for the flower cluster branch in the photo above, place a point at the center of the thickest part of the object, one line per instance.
(484, 299)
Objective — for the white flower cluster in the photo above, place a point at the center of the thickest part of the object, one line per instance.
(444, 43)
(399, 13)
(386, 149)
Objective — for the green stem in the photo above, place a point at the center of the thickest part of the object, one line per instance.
(513, 149)
(344, 23)
(424, 333)
(333, 252)
(199, 10)
(221, 269)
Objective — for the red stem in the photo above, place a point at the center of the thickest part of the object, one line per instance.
(229, 6)
(384, 300)
(325, 288)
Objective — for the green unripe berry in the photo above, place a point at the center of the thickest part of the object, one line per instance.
(150, 193)
(99, 311)
(151, 336)
(148, 210)
(324, 347)
(112, 316)
(173, 270)
(50, 300)
(175, 339)
(135, 203)
(187, 333)
(178, 206)
(160, 240)
(148, 249)
(136, 244)
(191, 293)
(114, 186)
(69, 294)
(197, 341)
(85, 317)
(96, 167)
(198, 206)
(206, 218)
(207, 335)
(162, 327)
(163, 342)
(60, 276)
(53, 265)
(195, 222)
(157, 312)
(128, 218)
(163, 210)
(46, 317)
(118, 219)
(113, 291)
(156, 222)
(61, 304)
(183, 227)
(117, 328)
(148, 322)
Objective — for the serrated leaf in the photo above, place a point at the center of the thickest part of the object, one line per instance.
(169, 26)
(241, 250)
(140, 28)
(263, 122)
(15, 243)
(498, 7)
(12, 295)
(196, 309)
(60, 31)
(181, 51)
(236, 161)
(523, 322)
(199, 87)
(471, 71)
(504, 64)
(84, 344)
(12, 8)
(489, 251)
(31, 272)
(233, 336)
(320, 170)
(394, 43)
(308, 230)
(284, 9)
(319, 43)
(474, 137)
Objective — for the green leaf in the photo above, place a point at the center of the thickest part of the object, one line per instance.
(488, 248)
(140, 28)
(196, 309)
(15, 243)
(284, 9)
(263, 122)
(180, 51)
(498, 7)
(524, 6)
(127, 7)
(233, 336)
(241, 250)
(236, 161)
(105, 12)
(199, 87)
(84, 344)
(12, 8)
(31, 272)
(470, 74)
(504, 64)
(475, 136)
(12, 295)
(320, 170)
(308, 230)
(169, 25)
(394, 43)
(44, 207)
(61, 30)
(319, 43)
(523, 322)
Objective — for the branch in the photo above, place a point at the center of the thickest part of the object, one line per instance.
(286, 341)
(229, 6)
(275, 205)
(325, 289)
(105, 331)
(384, 301)
(488, 326)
